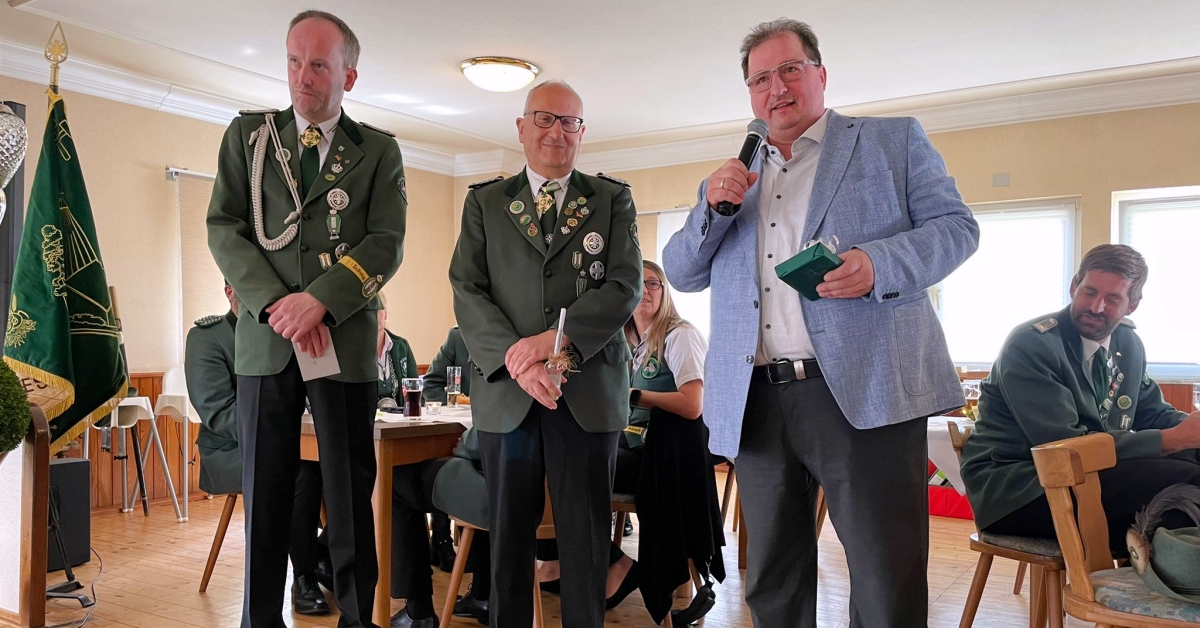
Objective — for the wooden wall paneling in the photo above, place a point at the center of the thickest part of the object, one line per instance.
(1179, 395)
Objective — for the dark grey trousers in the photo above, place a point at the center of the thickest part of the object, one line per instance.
(269, 413)
(796, 440)
(549, 447)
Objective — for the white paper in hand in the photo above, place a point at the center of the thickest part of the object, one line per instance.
(324, 366)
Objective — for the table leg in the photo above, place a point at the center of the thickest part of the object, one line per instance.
(381, 502)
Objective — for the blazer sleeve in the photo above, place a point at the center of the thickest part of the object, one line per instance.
(209, 386)
(340, 289)
(687, 258)
(944, 232)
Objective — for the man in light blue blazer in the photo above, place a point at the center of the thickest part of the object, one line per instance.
(829, 393)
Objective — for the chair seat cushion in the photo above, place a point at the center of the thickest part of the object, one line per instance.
(623, 498)
(1123, 590)
(1027, 544)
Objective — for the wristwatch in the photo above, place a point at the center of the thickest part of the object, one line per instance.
(635, 395)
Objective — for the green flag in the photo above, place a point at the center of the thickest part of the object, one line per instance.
(62, 337)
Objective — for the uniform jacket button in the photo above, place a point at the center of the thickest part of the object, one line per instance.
(303, 248)
(548, 310)
(548, 273)
(306, 217)
(295, 287)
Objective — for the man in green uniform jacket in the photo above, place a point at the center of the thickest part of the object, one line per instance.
(547, 239)
(307, 240)
(1079, 371)
(452, 353)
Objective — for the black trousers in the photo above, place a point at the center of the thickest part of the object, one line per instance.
(795, 440)
(269, 411)
(549, 447)
(305, 549)
(412, 499)
(1125, 490)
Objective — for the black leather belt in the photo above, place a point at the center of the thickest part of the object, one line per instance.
(785, 371)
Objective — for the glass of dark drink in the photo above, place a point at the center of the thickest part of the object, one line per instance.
(412, 396)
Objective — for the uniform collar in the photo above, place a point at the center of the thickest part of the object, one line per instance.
(231, 317)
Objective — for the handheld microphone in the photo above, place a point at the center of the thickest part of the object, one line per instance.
(756, 132)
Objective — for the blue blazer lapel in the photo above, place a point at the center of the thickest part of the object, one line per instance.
(841, 135)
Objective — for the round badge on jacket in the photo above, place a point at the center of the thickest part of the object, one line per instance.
(650, 368)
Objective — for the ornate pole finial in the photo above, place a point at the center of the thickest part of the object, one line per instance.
(56, 53)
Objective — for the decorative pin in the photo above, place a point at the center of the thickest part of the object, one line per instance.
(583, 211)
(572, 205)
(341, 148)
(526, 219)
(334, 222)
(567, 211)
(1120, 377)
(581, 287)
(581, 200)
(516, 207)
(283, 154)
(593, 243)
(597, 270)
(549, 238)
(577, 259)
(1107, 405)
(533, 230)
(403, 188)
(341, 250)
(336, 168)
(1124, 402)
(326, 261)
(337, 157)
(1126, 421)
(565, 230)
(337, 199)
(650, 368)
(330, 177)
(633, 235)
(571, 222)
(311, 136)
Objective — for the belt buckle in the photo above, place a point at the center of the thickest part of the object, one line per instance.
(798, 366)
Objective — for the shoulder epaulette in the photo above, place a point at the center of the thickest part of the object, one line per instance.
(1046, 325)
(613, 179)
(210, 320)
(479, 184)
(1128, 323)
(256, 112)
(375, 128)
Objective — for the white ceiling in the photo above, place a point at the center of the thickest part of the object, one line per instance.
(648, 71)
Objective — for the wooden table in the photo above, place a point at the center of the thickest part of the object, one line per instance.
(395, 444)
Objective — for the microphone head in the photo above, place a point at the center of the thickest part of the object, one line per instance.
(757, 127)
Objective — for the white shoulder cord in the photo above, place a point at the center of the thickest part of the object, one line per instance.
(256, 178)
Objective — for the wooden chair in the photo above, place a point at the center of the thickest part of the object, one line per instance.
(219, 539)
(1042, 554)
(1097, 592)
(623, 504)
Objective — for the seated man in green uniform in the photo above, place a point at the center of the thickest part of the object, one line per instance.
(212, 388)
(452, 353)
(1078, 371)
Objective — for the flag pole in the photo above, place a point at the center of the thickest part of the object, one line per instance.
(56, 52)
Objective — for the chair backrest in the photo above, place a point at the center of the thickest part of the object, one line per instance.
(958, 437)
(546, 529)
(174, 381)
(1071, 466)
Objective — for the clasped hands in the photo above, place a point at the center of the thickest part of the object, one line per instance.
(297, 317)
(853, 279)
(526, 363)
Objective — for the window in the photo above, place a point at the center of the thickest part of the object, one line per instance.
(692, 306)
(1022, 270)
(1164, 226)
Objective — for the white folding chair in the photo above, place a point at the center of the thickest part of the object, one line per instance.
(173, 402)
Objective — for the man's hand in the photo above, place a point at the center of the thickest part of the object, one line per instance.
(1184, 436)
(528, 351)
(295, 315)
(854, 278)
(729, 183)
(541, 385)
(315, 341)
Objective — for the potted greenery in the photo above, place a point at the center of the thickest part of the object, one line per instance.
(14, 410)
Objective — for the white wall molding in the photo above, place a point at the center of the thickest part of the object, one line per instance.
(487, 162)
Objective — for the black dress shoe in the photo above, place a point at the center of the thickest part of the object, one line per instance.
(324, 574)
(703, 602)
(469, 606)
(307, 598)
(402, 620)
(628, 531)
(442, 555)
(628, 585)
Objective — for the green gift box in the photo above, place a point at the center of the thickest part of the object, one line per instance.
(807, 268)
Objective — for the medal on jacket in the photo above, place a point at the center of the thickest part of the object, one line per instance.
(338, 200)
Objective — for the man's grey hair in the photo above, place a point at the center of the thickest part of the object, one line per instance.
(775, 28)
(550, 83)
(350, 45)
(1120, 260)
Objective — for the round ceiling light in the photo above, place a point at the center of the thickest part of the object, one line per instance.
(498, 74)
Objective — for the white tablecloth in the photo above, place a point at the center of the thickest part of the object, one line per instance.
(458, 414)
(941, 451)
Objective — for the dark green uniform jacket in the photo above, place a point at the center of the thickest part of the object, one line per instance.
(362, 170)
(509, 284)
(212, 388)
(452, 353)
(1037, 393)
(459, 489)
(401, 364)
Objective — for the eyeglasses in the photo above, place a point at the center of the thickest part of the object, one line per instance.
(652, 284)
(545, 120)
(789, 72)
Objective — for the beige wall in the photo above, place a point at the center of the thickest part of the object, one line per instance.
(124, 150)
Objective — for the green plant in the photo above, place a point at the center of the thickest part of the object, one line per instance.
(14, 409)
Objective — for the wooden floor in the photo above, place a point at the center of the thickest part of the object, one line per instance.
(152, 569)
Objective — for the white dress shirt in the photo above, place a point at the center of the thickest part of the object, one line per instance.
(685, 348)
(383, 361)
(535, 185)
(327, 130)
(786, 188)
(1089, 352)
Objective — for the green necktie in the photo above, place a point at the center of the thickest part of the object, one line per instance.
(1100, 376)
(546, 207)
(310, 161)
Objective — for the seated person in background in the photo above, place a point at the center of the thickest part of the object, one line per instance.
(663, 461)
(396, 362)
(1078, 371)
(452, 353)
(455, 484)
(212, 389)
